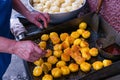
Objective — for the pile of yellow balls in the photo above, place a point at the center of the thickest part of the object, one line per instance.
(67, 47)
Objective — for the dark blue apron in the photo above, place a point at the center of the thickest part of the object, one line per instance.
(5, 13)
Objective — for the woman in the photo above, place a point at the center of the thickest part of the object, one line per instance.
(27, 50)
(110, 11)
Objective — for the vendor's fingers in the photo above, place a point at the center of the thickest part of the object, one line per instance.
(40, 52)
(47, 17)
(44, 20)
(37, 23)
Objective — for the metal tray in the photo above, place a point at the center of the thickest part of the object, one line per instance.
(68, 27)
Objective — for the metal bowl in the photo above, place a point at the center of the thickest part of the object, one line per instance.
(56, 18)
(111, 51)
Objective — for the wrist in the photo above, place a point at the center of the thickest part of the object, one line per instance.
(27, 13)
(11, 48)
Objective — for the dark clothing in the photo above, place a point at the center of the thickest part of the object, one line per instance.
(5, 13)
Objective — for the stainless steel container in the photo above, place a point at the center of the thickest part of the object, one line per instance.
(61, 17)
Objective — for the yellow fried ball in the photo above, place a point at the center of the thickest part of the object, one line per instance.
(70, 39)
(42, 44)
(85, 50)
(57, 53)
(52, 59)
(49, 53)
(75, 48)
(84, 44)
(65, 70)
(80, 31)
(87, 56)
(67, 51)
(77, 41)
(60, 64)
(55, 40)
(45, 37)
(57, 47)
(74, 67)
(86, 34)
(79, 60)
(93, 51)
(53, 34)
(38, 62)
(75, 34)
(83, 25)
(85, 67)
(47, 77)
(63, 36)
(65, 57)
(56, 72)
(65, 44)
(97, 65)
(37, 71)
(49, 65)
(107, 62)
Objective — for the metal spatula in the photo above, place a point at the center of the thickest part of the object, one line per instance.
(95, 18)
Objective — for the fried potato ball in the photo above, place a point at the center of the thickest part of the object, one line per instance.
(83, 25)
(75, 48)
(65, 44)
(52, 59)
(37, 71)
(84, 44)
(77, 41)
(47, 77)
(70, 39)
(49, 53)
(49, 65)
(55, 40)
(74, 67)
(79, 59)
(93, 51)
(107, 62)
(87, 56)
(65, 70)
(85, 66)
(45, 37)
(86, 34)
(56, 72)
(39, 62)
(57, 47)
(80, 31)
(57, 53)
(65, 57)
(68, 51)
(75, 54)
(97, 65)
(75, 34)
(85, 53)
(53, 34)
(60, 64)
(63, 36)
(85, 50)
(42, 44)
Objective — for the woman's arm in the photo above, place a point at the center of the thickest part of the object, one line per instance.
(33, 17)
(27, 50)
(6, 45)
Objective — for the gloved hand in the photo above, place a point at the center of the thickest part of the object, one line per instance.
(27, 50)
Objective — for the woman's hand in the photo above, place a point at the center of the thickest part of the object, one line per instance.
(28, 50)
(35, 17)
